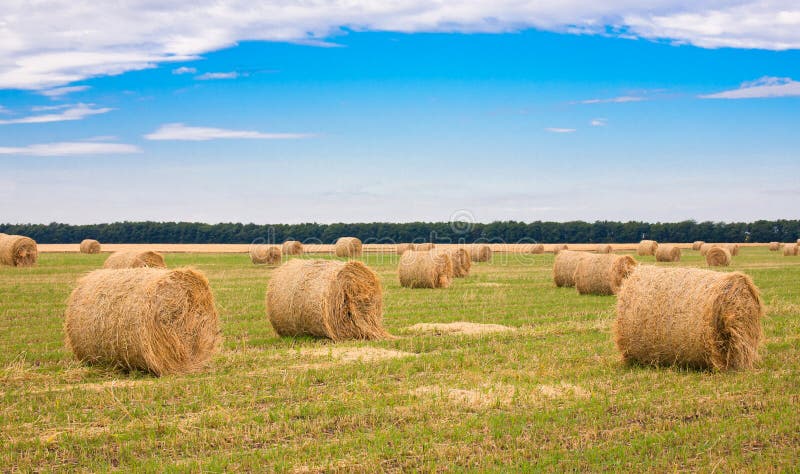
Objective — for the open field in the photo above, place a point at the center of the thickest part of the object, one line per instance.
(547, 391)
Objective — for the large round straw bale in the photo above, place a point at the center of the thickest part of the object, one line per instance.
(425, 269)
(718, 257)
(604, 248)
(668, 253)
(152, 319)
(559, 247)
(602, 274)
(460, 259)
(733, 249)
(263, 254)
(424, 246)
(697, 244)
(292, 247)
(774, 246)
(689, 317)
(480, 253)
(135, 259)
(704, 248)
(348, 247)
(326, 298)
(789, 250)
(402, 248)
(90, 246)
(564, 267)
(18, 251)
(647, 247)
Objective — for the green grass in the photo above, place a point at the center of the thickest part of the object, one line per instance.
(552, 395)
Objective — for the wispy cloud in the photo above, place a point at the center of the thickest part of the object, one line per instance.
(612, 100)
(765, 87)
(599, 122)
(4, 110)
(184, 70)
(59, 92)
(179, 131)
(71, 149)
(210, 76)
(73, 112)
(559, 130)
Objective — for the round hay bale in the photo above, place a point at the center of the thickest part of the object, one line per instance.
(265, 254)
(18, 251)
(733, 249)
(789, 250)
(536, 249)
(647, 247)
(697, 244)
(718, 257)
(292, 247)
(151, 319)
(480, 253)
(602, 274)
(423, 246)
(604, 248)
(774, 246)
(402, 248)
(704, 248)
(134, 259)
(425, 269)
(460, 259)
(349, 247)
(90, 246)
(564, 267)
(326, 298)
(559, 247)
(689, 317)
(668, 253)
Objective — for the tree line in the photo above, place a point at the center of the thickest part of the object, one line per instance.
(441, 232)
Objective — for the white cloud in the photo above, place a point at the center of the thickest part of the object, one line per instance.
(179, 131)
(184, 70)
(209, 76)
(613, 100)
(48, 44)
(73, 112)
(559, 130)
(70, 149)
(59, 92)
(4, 110)
(765, 87)
(599, 122)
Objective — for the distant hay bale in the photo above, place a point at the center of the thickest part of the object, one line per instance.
(602, 274)
(733, 249)
(90, 246)
(423, 246)
(425, 269)
(151, 319)
(559, 247)
(349, 247)
(668, 253)
(402, 248)
(718, 257)
(604, 248)
(460, 259)
(326, 298)
(18, 251)
(480, 253)
(689, 317)
(263, 254)
(564, 267)
(292, 247)
(647, 247)
(134, 259)
(696, 244)
(536, 249)
(789, 250)
(774, 246)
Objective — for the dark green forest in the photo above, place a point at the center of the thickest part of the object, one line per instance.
(441, 232)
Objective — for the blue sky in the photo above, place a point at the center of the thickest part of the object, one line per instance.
(403, 119)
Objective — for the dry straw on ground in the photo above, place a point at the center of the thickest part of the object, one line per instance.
(424, 246)
(718, 257)
(647, 247)
(668, 253)
(697, 244)
(559, 247)
(604, 248)
(400, 249)
(349, 247)
(602, 274)
(292, 247)
(460, 328)
(564, 267)
(18, 251)
(733, 249)
(265, 254)
(789, 250)
(326, 298)
(90, 246)
(460, 259)
(156, 320)
(774, 246)
(134, 259)
(689, 317)
(480, 253)
(425, 269)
